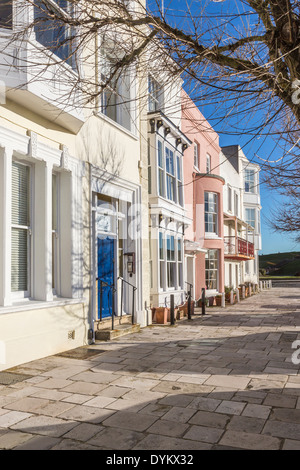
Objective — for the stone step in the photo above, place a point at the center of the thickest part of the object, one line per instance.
(118, 320)
(106, 334)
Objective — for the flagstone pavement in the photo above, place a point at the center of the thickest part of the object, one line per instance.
(226, 380)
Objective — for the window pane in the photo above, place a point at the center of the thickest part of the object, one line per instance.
(19, 256)
(161, 246)
(159, 154)
(211, 212)
(154, 94)
(6, 14)
(196, 155)
(179, 250)
(162, 274)
(211, 269)
(20, 194)
(54, 202)
(208, 165)
(249, 181)
(170, 162)
(20, 230)
(54, 34)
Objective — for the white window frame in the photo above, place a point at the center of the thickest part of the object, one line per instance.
(161, 170)
(247, 219)
(171, 264)
(250, 181)
(216, 213)
(161, 261)
(56, 237)
(208, 163)
(171, 178)
(229, 189)
(215, 269)
(179, 185)
(236, 203)
(18, 295)
(155, 94)
(54, 4)
(179, 241)
(196, 155)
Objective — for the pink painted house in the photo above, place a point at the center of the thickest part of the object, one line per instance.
(203, 192)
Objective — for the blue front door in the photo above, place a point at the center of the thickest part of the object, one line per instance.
(106, 274)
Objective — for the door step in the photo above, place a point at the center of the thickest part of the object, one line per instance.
(106, 334)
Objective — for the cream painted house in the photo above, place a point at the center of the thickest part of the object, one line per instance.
(73, 183)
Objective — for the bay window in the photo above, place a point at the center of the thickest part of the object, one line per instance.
(170, 259)
(211, 212)
(169, 174)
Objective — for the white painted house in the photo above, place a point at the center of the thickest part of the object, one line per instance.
(241, 230)
(167, 214)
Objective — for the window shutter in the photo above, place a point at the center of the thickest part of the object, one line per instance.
(20, 227)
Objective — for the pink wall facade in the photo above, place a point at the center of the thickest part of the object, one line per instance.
(196, 183)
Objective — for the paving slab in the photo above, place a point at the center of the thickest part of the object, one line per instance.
(223, 381)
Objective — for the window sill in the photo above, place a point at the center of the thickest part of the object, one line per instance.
(212, 236)
(101, 115)
(20, 306)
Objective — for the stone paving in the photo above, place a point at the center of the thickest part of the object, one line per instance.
(223, 381)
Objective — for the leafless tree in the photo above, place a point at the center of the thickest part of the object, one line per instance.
(242, 57)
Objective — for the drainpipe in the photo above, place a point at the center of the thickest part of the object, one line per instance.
(92, 257)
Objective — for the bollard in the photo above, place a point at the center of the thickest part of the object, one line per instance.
(237, 294)
(250, 290)
(172, 309)
(223, 300)
(203, 301)
(231, 296)
(260, 285)
(189, 306)
(270, 284)
(243, 292)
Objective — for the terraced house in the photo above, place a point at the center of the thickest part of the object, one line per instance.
(111, 186)
(71, 189)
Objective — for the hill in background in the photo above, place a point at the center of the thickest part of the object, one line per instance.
(280, 264)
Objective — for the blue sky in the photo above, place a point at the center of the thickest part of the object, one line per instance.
(253, 146)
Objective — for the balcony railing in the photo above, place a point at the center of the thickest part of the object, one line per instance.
(237, 246)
